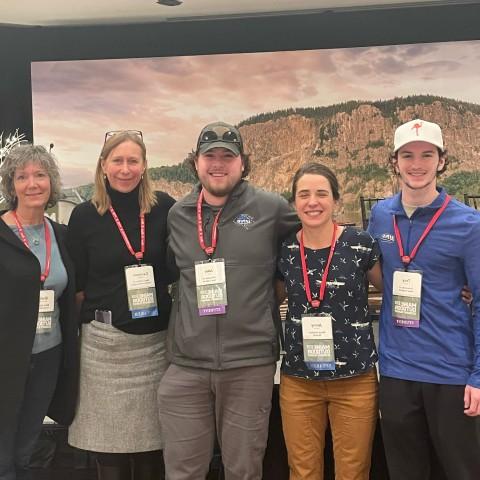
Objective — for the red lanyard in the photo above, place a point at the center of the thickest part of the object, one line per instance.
(137, 255)
(406, 259)
(306, 281)
(201, 237)
(48, 245)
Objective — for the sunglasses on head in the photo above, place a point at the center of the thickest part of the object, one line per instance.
(113, 133)
(211, 136)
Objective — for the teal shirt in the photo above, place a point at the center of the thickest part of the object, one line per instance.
(56, 280)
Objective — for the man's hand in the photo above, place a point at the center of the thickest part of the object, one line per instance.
(467, 296)
(471, 401)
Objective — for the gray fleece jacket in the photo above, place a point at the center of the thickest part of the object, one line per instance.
(249, 232)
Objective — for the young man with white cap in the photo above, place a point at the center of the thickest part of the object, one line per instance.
(223, 341)
(429, 351)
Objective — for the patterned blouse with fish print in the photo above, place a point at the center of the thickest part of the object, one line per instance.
(346, 300)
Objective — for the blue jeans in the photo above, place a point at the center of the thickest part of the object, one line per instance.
(17, 443)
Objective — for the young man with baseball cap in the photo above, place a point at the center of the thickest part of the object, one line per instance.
(429, 351)
(223, 341)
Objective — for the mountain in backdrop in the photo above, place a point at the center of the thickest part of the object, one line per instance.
(355, 140)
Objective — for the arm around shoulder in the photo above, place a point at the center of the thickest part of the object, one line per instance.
(287, 220)
(375, 277)
(471, 260)
(280, 292)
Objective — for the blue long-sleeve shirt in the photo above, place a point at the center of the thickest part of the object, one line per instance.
(445, 349)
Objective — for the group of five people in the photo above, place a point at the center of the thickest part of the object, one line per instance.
(134, 393)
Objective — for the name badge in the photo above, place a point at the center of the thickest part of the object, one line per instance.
(211, 287)
(141, 293)
(318, 348)
(406, 298)
(46, 307)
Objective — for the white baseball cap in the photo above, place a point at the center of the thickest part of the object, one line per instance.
(418, 131)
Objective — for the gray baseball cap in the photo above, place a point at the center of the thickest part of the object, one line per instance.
(220, 135)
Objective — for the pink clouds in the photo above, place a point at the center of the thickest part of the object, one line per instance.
(75, 176)
(170, 99)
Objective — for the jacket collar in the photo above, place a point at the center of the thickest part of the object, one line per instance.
(397, 207)
(6, 234)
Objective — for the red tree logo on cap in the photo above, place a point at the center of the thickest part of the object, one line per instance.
(416, 126)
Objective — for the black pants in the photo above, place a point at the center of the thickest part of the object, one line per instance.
(17, 444)
(421, 421)
(130, 466)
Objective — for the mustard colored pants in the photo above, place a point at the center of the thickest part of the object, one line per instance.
(351, 407)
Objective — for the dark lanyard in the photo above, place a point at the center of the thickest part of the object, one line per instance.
(407, 258)
(316, 303)
(48, 245)
(137, 255)
(201, 237)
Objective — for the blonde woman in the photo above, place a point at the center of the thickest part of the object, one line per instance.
(117, 242)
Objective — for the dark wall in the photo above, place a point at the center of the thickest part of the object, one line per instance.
(20, 46)
(15, 87)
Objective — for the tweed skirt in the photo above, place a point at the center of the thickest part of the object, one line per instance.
(117, 409)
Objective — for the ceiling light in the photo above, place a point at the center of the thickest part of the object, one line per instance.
(169, 3)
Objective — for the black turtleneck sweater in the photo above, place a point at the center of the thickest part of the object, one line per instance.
(100, 255)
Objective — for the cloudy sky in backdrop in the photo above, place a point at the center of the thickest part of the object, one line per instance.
(170, 99)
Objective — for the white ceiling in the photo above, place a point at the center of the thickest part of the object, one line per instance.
(91, 12)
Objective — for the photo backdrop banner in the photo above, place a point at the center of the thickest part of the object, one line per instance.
(339, 107)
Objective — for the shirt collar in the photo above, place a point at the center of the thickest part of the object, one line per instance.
(397, 207)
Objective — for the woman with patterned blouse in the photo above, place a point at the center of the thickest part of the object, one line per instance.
(328, 372)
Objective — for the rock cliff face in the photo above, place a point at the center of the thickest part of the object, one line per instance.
(175, 189)
(277, 148)
(355, 140)
(356, 145)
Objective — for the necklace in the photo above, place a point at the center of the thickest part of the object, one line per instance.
(34, 234)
